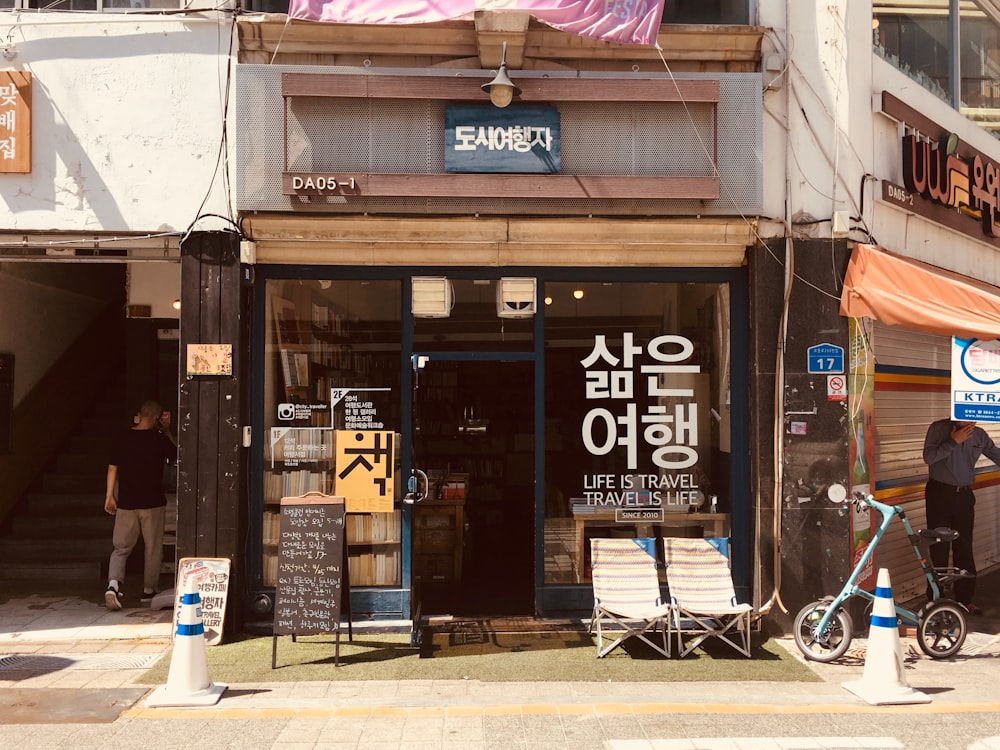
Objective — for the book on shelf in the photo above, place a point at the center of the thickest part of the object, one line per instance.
(286, 322)
(270, 527)
(295, 368)
(380, 568)
(367, 528)
(270, 568)
(295, 483)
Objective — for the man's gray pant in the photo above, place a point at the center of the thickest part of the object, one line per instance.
(129, 524)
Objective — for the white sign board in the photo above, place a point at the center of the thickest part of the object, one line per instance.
(212, 576)
(975, 380)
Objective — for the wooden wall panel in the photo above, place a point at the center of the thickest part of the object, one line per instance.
(211, 407)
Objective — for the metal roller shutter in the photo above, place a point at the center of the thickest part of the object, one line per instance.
(912, 375)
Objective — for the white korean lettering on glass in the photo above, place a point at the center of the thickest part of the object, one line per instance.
(673, 435)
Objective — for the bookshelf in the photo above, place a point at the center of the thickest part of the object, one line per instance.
(316, 344)
(374, 548)
(297, 460)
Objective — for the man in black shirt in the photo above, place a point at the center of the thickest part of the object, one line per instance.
(137, 460)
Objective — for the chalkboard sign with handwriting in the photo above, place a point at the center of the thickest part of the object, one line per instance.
(311, 569)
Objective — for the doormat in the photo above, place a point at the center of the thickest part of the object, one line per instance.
(66, 705)
(504, 625)
(477, 637)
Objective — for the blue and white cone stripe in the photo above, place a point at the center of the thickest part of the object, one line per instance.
(884, 608)
(882, 682)
(187, 679)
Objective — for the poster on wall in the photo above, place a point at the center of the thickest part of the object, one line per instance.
(366, 470)
(212, 576)
(861, 407)
(209, 359)
(975, 380)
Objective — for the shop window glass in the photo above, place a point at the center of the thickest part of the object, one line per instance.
(332, 358)
(706, 11)
(914, 36)
(637, 427)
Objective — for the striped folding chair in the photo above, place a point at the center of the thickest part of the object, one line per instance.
(627, 595)
(702, 595)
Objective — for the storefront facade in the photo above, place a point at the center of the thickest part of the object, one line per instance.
(611, 409)
(550, 358)
(909, 310)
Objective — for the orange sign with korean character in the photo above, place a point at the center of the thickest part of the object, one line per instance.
(15, 121)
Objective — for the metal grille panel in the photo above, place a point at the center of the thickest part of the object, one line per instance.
(53, 662)
(407, 137)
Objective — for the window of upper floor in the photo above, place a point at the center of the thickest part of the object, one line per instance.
(728, 12)
(918, 36)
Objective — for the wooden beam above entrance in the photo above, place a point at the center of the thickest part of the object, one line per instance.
(470, 241)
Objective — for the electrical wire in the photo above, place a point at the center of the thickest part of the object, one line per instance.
(789, 266)
(222, 155)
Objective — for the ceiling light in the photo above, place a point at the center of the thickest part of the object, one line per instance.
(501, 89)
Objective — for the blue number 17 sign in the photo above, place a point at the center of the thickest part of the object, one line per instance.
(825, 359)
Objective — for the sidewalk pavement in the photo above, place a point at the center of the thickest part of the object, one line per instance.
(67, 642)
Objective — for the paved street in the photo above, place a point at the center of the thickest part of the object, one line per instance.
(68, 672)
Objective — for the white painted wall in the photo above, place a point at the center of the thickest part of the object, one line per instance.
(818, 113)
(44, 308)
(820, 125)
(127, 121)
(156, 285)
(126, 130)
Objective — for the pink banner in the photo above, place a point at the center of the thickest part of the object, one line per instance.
(622, 21)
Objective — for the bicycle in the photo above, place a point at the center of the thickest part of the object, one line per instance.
(823, 630)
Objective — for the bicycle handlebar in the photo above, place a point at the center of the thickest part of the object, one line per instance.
(861, 501)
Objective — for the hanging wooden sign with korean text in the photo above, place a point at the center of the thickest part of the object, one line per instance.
(15, 122)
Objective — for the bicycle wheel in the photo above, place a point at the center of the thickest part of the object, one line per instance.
(941, 628)
(829, 645)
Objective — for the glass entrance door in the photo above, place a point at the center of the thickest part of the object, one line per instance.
(473, 424)
(473, 534)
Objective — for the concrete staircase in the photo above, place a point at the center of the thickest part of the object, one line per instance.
(59, 537)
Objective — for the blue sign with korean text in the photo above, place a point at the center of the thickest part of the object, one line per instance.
(513, 139)
(825, 359)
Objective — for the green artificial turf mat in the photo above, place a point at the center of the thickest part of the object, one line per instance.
(490, 657)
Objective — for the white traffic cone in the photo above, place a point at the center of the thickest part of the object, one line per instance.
(882, 682)
(187, 680)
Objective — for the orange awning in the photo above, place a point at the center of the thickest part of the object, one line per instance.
(908, 293)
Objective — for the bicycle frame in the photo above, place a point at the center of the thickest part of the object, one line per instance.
(851, 588)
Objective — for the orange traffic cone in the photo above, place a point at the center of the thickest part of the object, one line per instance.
(882, 682)
(187, 680)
